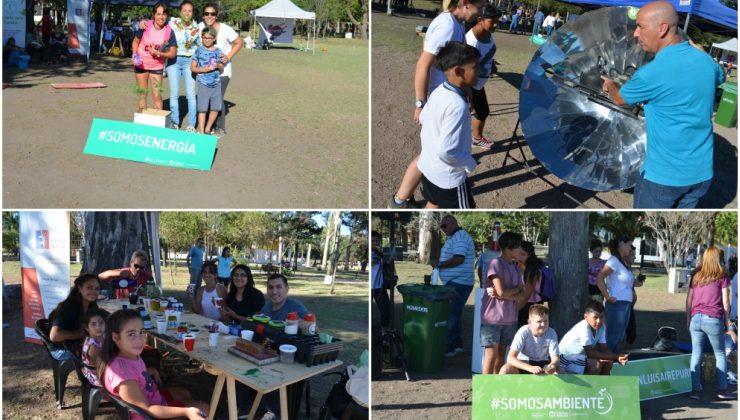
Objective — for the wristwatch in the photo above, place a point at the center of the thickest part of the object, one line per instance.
(420, 103)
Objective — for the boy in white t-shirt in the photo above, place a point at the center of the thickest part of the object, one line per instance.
(446, 156)
(583, 349)
(538, 342)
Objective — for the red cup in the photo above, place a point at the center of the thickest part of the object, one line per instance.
(219, 302)
(189, 341)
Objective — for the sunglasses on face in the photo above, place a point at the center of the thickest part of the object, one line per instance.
(139, 267)
(443, 226)
(209, 13)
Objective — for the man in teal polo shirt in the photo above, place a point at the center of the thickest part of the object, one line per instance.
(456, 268)
(678, 89)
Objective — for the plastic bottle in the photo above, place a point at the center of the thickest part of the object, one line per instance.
(291, 323)
(150, 289)
(147, 322)
(309, 325)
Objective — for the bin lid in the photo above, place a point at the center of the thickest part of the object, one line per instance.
(729, 87)
(427, 292)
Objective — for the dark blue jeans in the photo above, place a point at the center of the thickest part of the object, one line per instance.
(617, 318)
(454, 320)
(649, 195)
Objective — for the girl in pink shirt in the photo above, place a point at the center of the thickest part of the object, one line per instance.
(126, 376)
(708, 315)
(151, 47)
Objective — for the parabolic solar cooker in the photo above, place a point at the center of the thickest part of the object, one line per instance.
(570, 124)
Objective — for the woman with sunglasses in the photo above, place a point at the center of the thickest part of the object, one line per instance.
(136, 271)
(229, 42)
(615, 281)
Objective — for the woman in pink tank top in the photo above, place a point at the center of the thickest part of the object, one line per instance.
(151, 47)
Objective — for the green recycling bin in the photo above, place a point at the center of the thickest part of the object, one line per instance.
(425, 311)
(727, 110)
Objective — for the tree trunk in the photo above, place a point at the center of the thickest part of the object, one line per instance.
(334, 260)
(349, 246)
(327, 240)
(568, 260)
(363, 34)
(111, 239)
(428, 237)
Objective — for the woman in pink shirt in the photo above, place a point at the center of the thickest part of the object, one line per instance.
(151, 47)
(708, 314)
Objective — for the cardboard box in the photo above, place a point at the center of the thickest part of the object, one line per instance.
(154, 117)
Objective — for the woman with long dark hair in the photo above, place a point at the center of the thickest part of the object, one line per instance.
(66, 318)
(531, 266)
(243, 300)
(151, 47)
(708, 315)
(615, 281)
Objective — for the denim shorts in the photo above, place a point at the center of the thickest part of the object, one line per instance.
(492, 334)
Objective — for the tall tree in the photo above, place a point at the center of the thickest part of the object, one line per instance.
(725, 227)
(568, 260)
(178, 230)
(11, 236)
(111, 238)
(357, 224)
(678, 231)
(363, 11)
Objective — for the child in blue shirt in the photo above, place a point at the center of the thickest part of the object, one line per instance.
(208, 67)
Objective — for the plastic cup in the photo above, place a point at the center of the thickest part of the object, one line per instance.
(133, 298)
(162, 325)
(154, 304)
(189, 341)
(147, 304)
(247, 335)
(287, 353)
(213, 339)
(218, 301)
(223, 329)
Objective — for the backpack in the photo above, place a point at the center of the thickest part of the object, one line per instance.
(547, 285)
(666, 339)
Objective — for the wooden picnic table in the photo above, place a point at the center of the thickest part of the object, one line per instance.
(229, 368)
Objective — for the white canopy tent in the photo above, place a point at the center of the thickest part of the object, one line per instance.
(286, 10)
(729, 51)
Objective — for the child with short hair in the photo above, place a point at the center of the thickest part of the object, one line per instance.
(504, 286)
(208, 67)
(583, 349)
(125, 375)
(538, 342)
(93, 322)
(446, 154)
(480, 36)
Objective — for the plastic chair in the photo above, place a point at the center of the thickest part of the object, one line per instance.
(61, 368)
(93, 395)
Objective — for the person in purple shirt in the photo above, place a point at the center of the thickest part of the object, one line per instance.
(708, 314)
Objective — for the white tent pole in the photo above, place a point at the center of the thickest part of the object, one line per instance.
(686, 24)
(314, 35)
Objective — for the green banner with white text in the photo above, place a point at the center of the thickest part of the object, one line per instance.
(555, 396)
(152, 145)
(660, 376)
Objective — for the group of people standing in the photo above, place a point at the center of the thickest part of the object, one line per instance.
(183, 47)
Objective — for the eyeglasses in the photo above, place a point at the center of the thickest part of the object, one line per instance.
(443, 226)
(209, 13)
(140, 267)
